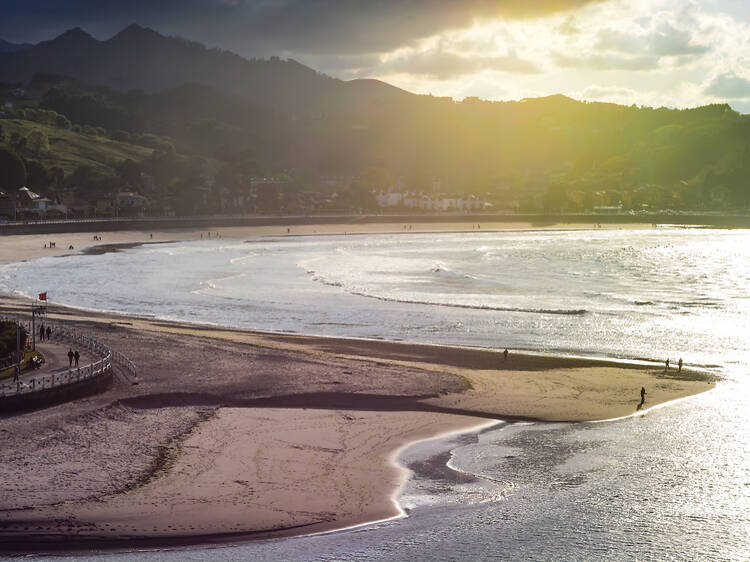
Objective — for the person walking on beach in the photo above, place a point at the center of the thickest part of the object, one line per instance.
(76, 356)
(505, 355)
(70, 358)
(679, 365)
(667, 365)
(643, 394)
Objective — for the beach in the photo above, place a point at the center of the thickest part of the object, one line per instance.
(233, 434)
(17, 247)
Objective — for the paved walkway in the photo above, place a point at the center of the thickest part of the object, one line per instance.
(55, 361)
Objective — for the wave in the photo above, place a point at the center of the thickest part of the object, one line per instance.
(314, 276)
(243, 259)
(211, 285)
(494, 308)
(320, 279)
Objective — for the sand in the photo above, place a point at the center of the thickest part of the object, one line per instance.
(30, 246)
(275, 435)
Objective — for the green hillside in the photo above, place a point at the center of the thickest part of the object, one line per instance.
(194, 129)
(68, 150)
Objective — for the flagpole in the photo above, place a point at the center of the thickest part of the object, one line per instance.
(34, 309)
(18, 352)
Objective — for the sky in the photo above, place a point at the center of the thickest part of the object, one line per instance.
(674, 53)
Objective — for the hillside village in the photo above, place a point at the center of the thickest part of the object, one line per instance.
(263, 195)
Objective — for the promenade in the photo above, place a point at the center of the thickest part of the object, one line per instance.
(57, 379)
(55, 361)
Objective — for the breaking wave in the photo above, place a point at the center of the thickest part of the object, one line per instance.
(318, 278)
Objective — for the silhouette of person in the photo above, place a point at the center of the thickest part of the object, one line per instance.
(505, 355)
(679, 365)
(49, 332)
(76, 356)
(667, 365)
(70, 358)
(643, 394)
(41, 332)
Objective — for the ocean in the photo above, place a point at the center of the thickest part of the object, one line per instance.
(673, 484)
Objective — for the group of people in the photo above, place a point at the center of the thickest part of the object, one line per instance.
(679, 365)
(51, 244)
(666, 365)
(73, 356)
(44, 333)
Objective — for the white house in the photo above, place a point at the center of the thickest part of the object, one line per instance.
(389, 198)
(32, 203)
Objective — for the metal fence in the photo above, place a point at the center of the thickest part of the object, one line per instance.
(73, 375)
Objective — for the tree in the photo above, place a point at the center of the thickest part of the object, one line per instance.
(37, 176)
(375, 178)
(57, 175)
(37, 141)
(12, 171)
(130, 172)
(8, 340)
(267, 198)
(62, 122)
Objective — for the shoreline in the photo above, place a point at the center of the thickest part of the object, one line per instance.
(22, 247)
(711, 219)
(460, 410)
(158, 464)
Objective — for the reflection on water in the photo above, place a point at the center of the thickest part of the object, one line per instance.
(673, 484)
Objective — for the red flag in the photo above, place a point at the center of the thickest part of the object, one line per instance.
(43, 296)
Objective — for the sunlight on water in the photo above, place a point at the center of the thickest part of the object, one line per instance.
(673, 484)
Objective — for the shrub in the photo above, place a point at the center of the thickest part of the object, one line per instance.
(8, 338)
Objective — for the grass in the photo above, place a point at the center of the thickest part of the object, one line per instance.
(69, 150)
(28, 355)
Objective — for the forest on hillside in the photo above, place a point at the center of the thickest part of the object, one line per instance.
(552, 154)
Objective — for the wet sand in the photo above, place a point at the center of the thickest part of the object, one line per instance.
(233, 435)
(18, 247)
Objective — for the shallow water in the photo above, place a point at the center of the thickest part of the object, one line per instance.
(671, 484)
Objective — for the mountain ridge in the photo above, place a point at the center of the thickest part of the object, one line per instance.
(8, 47)
(139, 58)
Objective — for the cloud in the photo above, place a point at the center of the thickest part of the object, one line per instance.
(568, 27)
(663, 41)
(607, 62)
(443, 65)
(612, 94)
(660, 44)
(261, 27)
(728, 86)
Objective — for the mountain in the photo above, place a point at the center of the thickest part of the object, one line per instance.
(140, 58)
(6, 47)
(280, 118)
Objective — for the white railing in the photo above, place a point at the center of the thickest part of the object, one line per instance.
(73, 374)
